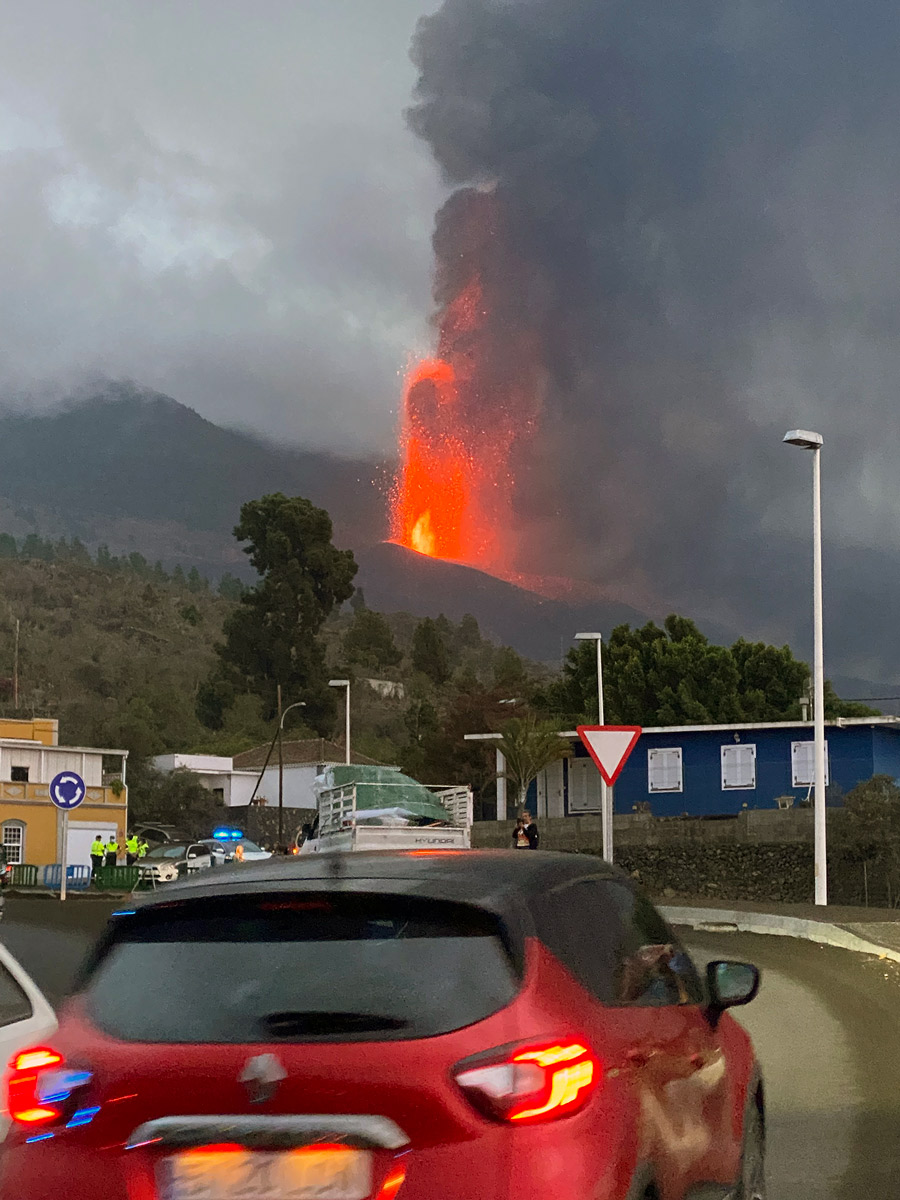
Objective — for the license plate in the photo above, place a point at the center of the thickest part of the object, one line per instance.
(310, 1173)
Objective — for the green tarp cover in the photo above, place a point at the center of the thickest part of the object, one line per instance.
(384, 788)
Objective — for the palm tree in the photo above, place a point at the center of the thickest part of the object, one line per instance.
(528, 747)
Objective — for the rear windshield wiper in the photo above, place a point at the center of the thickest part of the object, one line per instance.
(316, 1023)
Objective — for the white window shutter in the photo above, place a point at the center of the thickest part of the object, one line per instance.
(665, 770)
(803, 763)
(739, 767)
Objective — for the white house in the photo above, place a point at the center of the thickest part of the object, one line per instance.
(233, 780)
(218, 774)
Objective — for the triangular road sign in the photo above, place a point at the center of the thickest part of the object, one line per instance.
(609, 746)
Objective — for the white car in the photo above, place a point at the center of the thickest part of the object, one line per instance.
(26, 1020)
(166, 863)
(227, 851)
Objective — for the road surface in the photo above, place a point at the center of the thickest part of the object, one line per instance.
(825, 1024)
(826, 1029)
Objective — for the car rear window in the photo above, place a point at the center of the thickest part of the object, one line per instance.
(343, 967)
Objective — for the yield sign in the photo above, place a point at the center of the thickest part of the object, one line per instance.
(609, 746)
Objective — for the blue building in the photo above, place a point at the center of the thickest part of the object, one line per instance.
(713, 770)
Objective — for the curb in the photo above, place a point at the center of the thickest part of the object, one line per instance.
(722, 920)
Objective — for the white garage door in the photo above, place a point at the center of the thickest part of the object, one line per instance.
(81, 834)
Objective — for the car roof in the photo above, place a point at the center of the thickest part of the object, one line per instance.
(493, 879)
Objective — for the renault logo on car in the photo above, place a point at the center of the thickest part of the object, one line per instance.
(261, 1076)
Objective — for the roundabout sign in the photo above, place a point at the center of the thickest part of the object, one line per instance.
(67, 790)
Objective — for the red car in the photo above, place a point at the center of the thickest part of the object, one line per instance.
(422, 1025)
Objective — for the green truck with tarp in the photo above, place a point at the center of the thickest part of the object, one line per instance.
(380, 808)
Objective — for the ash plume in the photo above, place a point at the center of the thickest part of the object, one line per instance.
(694, 245)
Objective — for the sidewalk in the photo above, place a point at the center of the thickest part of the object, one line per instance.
(867, 930)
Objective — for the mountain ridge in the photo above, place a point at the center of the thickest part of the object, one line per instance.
(140, 456)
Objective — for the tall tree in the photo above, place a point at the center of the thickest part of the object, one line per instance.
(272, 636)
(429, 652)
(510, 673)
(369, 643)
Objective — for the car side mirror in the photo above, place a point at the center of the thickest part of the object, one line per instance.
(192, 854)
(730, 984)
(306, 830)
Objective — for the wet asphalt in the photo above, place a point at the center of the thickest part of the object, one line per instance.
(825, 1026)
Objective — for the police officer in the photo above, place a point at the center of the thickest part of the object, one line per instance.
(132, 849)
(98, 851)
(143, 847)
(112, 851)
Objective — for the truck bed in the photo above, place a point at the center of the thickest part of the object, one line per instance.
(381, 837)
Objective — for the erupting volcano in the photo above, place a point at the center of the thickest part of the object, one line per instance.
(464, 412)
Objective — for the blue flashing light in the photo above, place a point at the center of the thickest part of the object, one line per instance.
(41, 1137)
(228, 835)
(125, 912)
(63, 1083)
(83, 1116)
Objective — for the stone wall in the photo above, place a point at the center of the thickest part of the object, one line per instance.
(753, 827)
(260, 822)
(764, 855)
(782, 873)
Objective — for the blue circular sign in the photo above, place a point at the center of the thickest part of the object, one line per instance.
(67, 790)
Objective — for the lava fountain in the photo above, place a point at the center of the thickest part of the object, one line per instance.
(464, 412)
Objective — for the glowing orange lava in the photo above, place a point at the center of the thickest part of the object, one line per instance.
(433, 490)
(452, 494)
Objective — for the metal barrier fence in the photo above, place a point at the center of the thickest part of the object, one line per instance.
(23, 875)
(78, 878)
(116, 879)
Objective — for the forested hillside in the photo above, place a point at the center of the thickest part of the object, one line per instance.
(117, 650)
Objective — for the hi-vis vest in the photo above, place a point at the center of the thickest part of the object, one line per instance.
(112, 847)
(131, 845)
(96, 848)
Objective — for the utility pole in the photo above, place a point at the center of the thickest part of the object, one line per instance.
(16, 669)
(280, 776)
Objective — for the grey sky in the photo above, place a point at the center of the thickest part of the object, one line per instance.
(219, 199)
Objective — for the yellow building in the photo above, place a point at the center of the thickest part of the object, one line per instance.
(30, 825)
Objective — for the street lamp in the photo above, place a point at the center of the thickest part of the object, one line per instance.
(298, 704)
(807, 440)
(344, 683)
(606, 814)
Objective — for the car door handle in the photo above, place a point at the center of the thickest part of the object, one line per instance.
(638, 1057)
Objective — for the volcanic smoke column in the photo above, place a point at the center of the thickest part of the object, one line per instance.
(467, 410)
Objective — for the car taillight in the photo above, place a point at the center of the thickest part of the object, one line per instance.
(530, 1083)
(40, 1085)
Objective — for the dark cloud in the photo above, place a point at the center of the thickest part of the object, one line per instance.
(219, 200)
(696, 220)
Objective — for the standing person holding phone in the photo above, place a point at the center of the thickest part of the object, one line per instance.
(525, 835)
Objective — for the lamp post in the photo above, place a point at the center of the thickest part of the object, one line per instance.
(501, 771)
(807, 440)
(606, 808)
(344, 683)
